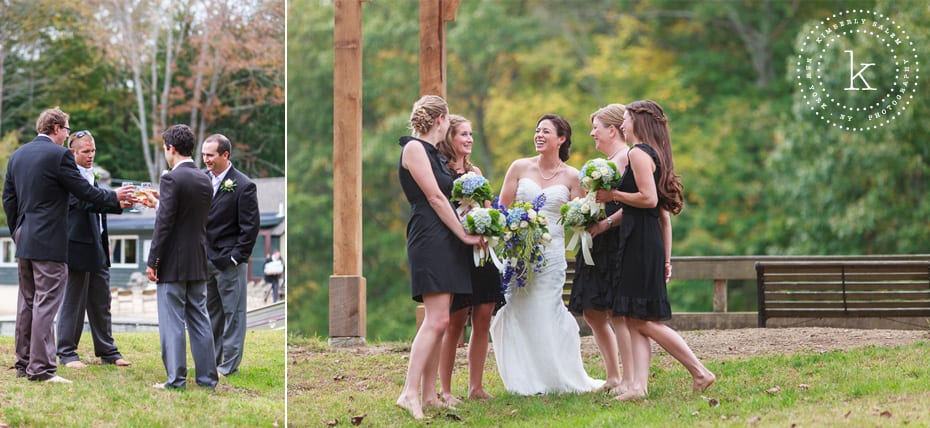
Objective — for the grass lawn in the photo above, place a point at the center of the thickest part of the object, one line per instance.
(869, 386)
(110, 396)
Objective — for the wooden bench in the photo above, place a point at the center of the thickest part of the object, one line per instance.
(843, 289)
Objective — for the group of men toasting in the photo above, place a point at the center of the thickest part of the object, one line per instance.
(206, 224)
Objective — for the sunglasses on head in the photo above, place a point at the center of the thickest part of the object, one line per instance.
(81, 134)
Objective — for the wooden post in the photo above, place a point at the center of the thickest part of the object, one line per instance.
(720, 295)
(433, 17)
(347, 285)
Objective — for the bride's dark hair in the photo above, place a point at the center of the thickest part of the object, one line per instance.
(562, 129)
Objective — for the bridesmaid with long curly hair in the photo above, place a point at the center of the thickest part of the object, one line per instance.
(649, 193)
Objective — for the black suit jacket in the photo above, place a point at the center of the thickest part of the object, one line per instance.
(177, 252)
(39, 177)
(88, 244)
(233, 222)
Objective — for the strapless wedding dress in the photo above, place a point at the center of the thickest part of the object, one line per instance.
(536, 340)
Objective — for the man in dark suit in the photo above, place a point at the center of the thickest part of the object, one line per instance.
(231, 231)
(39, 177)
(88, 288)
(178, 263)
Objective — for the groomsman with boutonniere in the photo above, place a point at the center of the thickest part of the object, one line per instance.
(232, 227)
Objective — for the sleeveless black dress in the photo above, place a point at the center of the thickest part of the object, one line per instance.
(485, 285)
(593, 286)
(641, 292)
(436, 257)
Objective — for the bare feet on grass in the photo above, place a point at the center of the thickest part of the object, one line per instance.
(631, 395)
(613, 387)
(440, 404)
(479, 394)
(702, 383)
(450, 399)
(411, 405)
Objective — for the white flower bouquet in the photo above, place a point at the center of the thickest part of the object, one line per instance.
(597, 174)
(577, 215)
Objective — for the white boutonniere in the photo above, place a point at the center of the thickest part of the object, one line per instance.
(228, 185)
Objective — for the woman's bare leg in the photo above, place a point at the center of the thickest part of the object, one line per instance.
(450, 342)
(676, 346)
(641, 352)
(599, 321)
(478, 349)
(425, 346)
(625, 345)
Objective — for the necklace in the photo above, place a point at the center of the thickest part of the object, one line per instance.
(615, 153)
(554, 173)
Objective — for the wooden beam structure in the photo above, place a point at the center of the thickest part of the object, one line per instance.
(433, 17)
(347, 286)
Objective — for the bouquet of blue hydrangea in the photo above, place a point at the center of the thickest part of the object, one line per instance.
(526, 234)
(471, 190)
(597, 174)
(577, 215)
(489, 223)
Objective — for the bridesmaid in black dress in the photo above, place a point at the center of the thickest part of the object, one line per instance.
(485, 281)
(437, 247)
(650, 190)
(592, 288)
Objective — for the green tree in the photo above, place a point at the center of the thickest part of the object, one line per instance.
(855, 192)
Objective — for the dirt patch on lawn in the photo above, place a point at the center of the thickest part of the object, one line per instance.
(737, 343)
(748, 342)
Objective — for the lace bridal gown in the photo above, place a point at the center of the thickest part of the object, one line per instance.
(536, 341)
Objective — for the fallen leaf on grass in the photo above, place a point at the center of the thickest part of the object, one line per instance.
(357, 419)
(713, 402)
(695, 413)
(847, 414)
(337, 378)
(453, 417)
(885, 414)
(513, 412)
(804, 386)
(773, 390)
(332, 423)
(754, 420)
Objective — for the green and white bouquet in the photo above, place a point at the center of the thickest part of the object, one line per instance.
(489, 223)
(597, 174)
(471, 190)
(577, 214)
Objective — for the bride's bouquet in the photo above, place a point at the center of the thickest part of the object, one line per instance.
(490, 223)
(597, 174)
(471, 190)
(577, 215)
(525, 236)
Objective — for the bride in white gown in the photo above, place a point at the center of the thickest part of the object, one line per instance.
(536, 340)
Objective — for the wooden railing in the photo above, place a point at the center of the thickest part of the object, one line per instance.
(720, 269)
